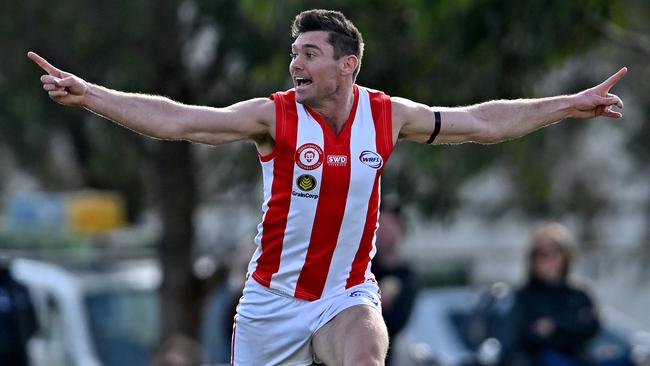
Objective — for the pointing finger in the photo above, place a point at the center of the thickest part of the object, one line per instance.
(612, 80)
(44, 64)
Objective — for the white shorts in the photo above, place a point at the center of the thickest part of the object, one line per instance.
(273, 328)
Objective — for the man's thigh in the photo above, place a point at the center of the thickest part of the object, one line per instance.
(271, 329)
(255, 344)
(356, 336)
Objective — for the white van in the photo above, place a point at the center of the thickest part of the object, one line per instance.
(100, 314)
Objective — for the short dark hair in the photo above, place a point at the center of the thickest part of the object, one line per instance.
(343, 35)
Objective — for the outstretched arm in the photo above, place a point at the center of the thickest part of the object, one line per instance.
(161, 117)
(501, 120)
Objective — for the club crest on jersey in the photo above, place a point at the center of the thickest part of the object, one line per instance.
(371, 159)
(309, 156)
(306, 182)
(337, 160)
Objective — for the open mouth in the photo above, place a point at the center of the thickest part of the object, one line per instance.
(302, 81)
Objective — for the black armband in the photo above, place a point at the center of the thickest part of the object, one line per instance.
(436, 129)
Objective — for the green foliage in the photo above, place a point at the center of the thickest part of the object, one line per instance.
(440, 53)
(462, 52)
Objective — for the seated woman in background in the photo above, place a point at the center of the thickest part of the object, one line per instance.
(554, 318)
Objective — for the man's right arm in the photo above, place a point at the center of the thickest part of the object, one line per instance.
(164, 118)
(161, 117)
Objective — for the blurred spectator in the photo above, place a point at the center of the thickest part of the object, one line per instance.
(17, 319)
(178, 350)
(220, 306)
(395, 278)
(554, 318)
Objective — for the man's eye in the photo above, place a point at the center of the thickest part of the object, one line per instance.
(293, 54)
(311, 55)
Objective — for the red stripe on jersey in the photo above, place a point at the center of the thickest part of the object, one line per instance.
(330, 210)
(361, 259)
(382, 116)
(275, 219)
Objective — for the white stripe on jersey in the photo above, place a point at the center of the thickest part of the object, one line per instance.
(301, 211)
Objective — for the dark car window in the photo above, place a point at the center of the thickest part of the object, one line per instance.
(124, 325)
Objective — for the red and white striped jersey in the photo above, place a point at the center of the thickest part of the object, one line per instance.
(321, 197)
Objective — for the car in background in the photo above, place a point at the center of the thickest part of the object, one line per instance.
(94, 314)
(463, 326)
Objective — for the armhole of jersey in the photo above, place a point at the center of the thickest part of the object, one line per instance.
(279, 127)
(388, 125)
(382, 113)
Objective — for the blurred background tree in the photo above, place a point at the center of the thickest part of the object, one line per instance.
(219, 52)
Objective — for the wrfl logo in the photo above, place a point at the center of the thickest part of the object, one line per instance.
(371, 159)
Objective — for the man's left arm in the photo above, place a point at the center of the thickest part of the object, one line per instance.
(500, 120)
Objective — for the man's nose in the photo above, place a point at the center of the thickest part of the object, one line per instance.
(296, 64)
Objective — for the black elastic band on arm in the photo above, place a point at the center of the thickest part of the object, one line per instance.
(436, 129)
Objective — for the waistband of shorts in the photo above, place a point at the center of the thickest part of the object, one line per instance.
(272, 290)
(368, 284)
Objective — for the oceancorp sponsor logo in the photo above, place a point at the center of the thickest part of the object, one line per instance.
(337, 160)
(371, 159)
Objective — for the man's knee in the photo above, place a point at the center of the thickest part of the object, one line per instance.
(370, 356)
(366, 362)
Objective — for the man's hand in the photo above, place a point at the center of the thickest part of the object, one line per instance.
(598, 101)
(62, 87)
(544, 327)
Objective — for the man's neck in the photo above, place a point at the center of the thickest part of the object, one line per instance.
(336, 109)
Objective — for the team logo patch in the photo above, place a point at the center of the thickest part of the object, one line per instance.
(309, 156)
(337, 160)
(371, 159)
(306, 182)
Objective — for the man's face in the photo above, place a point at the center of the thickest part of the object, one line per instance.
(313, 69)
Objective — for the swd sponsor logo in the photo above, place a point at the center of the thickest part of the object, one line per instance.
(337, 160)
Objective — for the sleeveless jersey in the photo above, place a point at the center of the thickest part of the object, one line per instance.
(321, 197)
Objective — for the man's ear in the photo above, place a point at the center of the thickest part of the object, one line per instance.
(348, 64)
